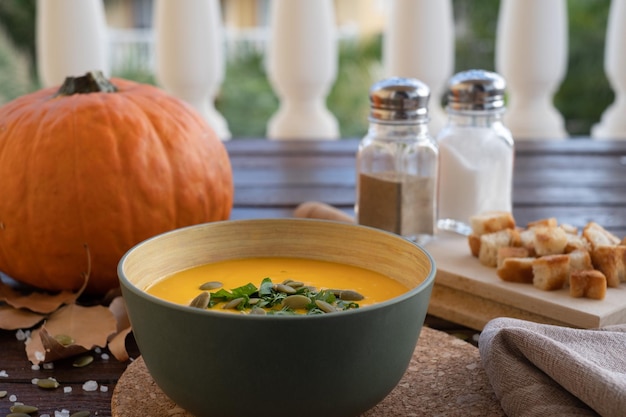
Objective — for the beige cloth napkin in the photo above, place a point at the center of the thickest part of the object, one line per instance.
(543, 370)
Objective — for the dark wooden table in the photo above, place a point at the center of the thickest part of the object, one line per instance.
(577, 180)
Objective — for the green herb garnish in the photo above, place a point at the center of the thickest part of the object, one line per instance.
(271, 298)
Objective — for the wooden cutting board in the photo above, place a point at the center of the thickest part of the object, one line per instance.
(471, 294)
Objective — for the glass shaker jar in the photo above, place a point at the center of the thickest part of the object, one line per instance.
(397, 162)
(475, 151)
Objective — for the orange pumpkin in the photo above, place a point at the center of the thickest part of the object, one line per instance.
(86, 173)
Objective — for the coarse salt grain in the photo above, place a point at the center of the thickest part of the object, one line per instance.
(44, 415)
(104, 357)
(13, 398)
(48, 365)
(34, 381)
(97, 349)
(104, 388)
(4, 374)
(20, 335)
(35, 367)
(90, 386)
(40, 356)
(67, 390)
(62, 413)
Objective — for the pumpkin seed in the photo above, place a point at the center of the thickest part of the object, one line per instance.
(211, 285)
(3, 394)
(295, 284)
(201, 301)
(284, 289)
(82, 361)
(83, 413)
(258, 311)
(232, 304)
(22, 408)
(296, 301)
(347, 295)
(18, 415)
(64, 339)
(253, 301)
(48, 383)
(325, 307)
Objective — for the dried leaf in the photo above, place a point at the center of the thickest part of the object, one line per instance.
(14, 318)
(41, 302)
(88, 326)
(117, 345)
(117, 342)
(38, 302)
(118, 309)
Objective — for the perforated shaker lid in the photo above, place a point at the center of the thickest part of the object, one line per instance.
(476, 90)
(399, 99)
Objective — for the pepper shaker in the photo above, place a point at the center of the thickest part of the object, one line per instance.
(475, 151)
(397, 162)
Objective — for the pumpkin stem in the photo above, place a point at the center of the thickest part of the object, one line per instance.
(92, 82)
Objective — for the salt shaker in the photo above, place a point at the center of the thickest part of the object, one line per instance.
(475, 151)
(397, 162)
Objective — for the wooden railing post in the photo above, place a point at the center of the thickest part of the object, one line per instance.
(613, 122)
(531, 54)
(189, 54)
(302, 67)
(71, 39)
(419, 43)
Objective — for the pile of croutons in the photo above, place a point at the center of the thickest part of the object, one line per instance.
(549, 255)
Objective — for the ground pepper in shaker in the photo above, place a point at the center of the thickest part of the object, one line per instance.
(475, 151)
(397, 162)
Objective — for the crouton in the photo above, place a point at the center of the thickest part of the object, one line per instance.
(575, 242)
(491, 242)
(511, 252)
(527, 239)
(548, 222)
(589, 283)
(610, 261)
(516, 270)
(549, 240)
(599, 236)
(551, 272)
(474, 244)
(569, 229)
(490, 222)
(579, 260)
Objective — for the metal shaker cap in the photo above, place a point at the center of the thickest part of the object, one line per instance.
(399, 99)
(476, 90)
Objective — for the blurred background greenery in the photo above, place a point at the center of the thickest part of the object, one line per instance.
(247, 101)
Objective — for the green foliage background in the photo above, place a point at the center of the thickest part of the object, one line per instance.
(247, 100)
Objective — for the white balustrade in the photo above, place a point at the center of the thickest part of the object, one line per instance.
(419, 43)
(302, 58)
(71, 39)
(302, 67)
(531, 54)
(613, 122)
(189, 54)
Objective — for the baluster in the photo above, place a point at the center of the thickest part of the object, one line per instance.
(419, 43)
(302, 66)
(613, 123)
(189, 54)
(71, 39)
(531, 53)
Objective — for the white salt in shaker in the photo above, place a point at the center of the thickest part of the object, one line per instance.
(397, 162)
(475, 151)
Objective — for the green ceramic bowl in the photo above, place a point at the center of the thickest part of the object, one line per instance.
(219, 365)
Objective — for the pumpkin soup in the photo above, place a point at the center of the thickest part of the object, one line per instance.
(277, 286)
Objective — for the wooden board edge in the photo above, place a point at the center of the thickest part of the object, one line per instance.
(475, 312)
